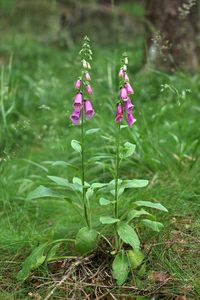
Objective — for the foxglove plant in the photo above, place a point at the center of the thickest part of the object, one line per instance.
(86, 237)
(126, 243)
(82, 106)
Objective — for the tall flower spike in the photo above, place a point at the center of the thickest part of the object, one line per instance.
(83, 86)
(126, 89)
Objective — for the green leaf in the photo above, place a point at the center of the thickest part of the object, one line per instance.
(128, 235)
(33, 261)
(151, 205)
(120, 191)
(59, 180)
(91, 131)
(127, 150)
(120, 267)
(77, 180)
(108, 220)
(42, 192)
(97, 185)
(135, 258)
(136, 214)
(89, 193)
(155, 226)
(86, 240)
(134, 183)
(103, 201)
(76, 146)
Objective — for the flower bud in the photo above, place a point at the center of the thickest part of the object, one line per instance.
(78, 84)
(88, 89)
(126, 78)
(129, 88)
(87, 76)
(121, 73)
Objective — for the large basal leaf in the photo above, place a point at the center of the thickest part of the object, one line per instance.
(59, 180)
(120, 268)
(76, 146)
(151, 205)
(33, 261)
(128, 235)
(108, 220)
(86, 240)
(135, 258)
(127, 150)
(134, 183)
(42, 192)
(155, 226)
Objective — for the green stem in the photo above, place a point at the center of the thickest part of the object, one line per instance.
(117, 171)
(83, 170)
(117, 241)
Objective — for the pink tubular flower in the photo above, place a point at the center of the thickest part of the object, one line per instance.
(89, 111)
(129, 88)
(121, 73)
(130, 119)
(75, 117)
(78, 99)
(78, 84)
(128, 105)
(119, 113)
(126, 78)
(88, 89)
(123, 93)
(87, 76)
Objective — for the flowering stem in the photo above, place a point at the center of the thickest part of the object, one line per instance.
(117, 182)
(83, 170)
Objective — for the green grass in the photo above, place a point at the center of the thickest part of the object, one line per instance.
(37, 92)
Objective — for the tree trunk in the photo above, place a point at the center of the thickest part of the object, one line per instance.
(172, 44)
